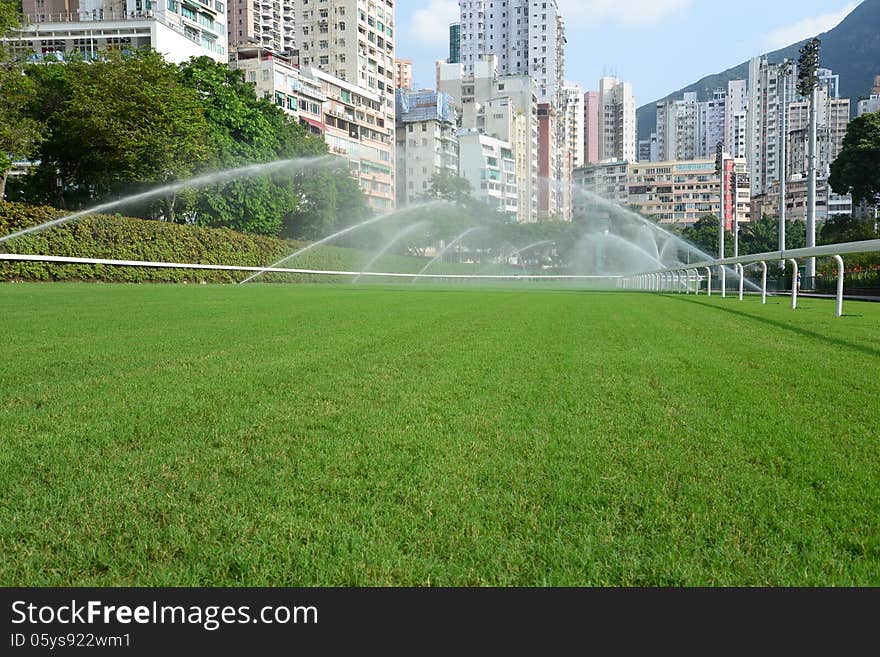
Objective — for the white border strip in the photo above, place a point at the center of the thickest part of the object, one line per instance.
(283, 270)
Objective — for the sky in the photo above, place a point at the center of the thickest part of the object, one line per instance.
(658, 45)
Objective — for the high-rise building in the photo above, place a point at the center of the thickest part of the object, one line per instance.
(869, 105)
(426, 141)
(267, 24)
(504, 107)
(572, 109)
(648, 149)
(454, 44)
(403, 77)
(711, 124)
(591, 127)
(832, 118)
(736, 113)
(618, 139)
(87, 27)
(767, 86)
(554, 165)
(527, 37)
(678, 128)
(356, 128)
(350, 39)
(353, 41)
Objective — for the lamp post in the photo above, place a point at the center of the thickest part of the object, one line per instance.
(784, 72)
(808, 87)
(719, 169)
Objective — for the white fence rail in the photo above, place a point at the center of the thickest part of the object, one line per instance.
(283, 270)
(670, 279)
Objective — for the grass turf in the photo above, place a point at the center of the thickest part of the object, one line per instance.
(320, 435)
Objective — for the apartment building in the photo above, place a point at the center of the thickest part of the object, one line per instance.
(276, 79)
(683, 192)
(678, 129)
(618, 139)
(266, 24)
(527, 37)
(351, 44)
(828, 204)
(832, 118)
(488, 164)
(403, 73)
(572, 109)
(608, 180)
(736, 113)
(504, 107)
(768, 86)
(591, 127)
(178, 30)
(869, 105)
(427, 141)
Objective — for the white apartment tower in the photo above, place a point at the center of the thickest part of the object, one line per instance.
(618, 139)
(736, 114)
(527, 37)
(767, 86)
(175, 29)
(268, 24)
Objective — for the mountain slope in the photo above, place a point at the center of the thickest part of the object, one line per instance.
(852, 49)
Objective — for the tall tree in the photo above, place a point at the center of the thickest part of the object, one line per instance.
(856, 170)
(704, 235)
(245, 129)
(124, 122)
(845, 228)
(20, 135)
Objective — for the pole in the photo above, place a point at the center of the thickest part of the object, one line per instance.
(721, 222)
(783, 153)
(763, 282)
(811, 187)
(839, 262)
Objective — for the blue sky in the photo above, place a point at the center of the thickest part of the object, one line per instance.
(658, 45)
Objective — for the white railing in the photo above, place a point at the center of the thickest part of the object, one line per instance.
(18, 257)
(670, 279)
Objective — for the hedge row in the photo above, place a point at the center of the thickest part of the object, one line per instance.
(122, 238)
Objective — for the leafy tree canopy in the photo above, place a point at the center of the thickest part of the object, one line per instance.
(119, 124)
(856, 170)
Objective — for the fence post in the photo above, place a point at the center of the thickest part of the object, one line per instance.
(763, 282)
(839, 261)
(723, 282)
(709, 281)
(742, 275)
(794, 290)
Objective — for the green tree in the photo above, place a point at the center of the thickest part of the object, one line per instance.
(856, 170)
(704, 235)
(759, 236)
(245, 129)
(20, 135)
(447, 186)
(845, 228)
(122, 123)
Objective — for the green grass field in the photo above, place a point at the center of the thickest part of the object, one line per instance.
(320, 435)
